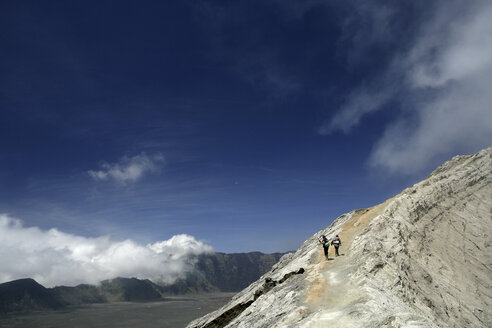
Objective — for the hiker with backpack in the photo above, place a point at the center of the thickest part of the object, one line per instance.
(337, 243)
(326, 244)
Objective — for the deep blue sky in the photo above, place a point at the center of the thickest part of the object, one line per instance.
(252, 124)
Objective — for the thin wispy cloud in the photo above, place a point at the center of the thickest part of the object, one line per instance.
(128, 169)
(53, 257)
(360, 103)
(444, 86)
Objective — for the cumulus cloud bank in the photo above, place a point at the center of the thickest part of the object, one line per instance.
(128, 169)
(445, 83)
(53, 257)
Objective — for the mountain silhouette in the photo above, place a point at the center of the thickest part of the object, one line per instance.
(218, 272)
(26, 295)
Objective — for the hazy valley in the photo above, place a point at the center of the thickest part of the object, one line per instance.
(126, 302)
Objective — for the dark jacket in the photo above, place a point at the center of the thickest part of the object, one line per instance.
(336, 242)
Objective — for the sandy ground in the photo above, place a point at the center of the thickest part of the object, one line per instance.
(170, 313)
(323, 287)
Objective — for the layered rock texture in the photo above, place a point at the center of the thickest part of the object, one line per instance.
(421, 259)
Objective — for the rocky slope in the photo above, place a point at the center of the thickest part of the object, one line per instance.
(421, 259)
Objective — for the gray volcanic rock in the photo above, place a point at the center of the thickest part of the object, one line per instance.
(421, 259)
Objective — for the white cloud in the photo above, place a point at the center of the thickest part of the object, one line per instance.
(360, 103)
(53, 257)
(446, 82)
(128, 169)
(180, 246)
(462, 49)
(458, 120)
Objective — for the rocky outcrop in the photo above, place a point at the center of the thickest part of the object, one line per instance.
(229, 315)
(421, 259)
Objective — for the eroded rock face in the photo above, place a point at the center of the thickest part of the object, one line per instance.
(421, 259)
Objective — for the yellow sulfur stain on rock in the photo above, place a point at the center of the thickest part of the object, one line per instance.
(319, 288)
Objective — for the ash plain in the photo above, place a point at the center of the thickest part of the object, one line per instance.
(171, 312)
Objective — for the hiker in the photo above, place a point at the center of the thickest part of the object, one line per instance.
(326, 243)
(337, 243)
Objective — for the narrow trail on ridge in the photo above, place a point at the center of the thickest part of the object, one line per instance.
(420, 259)
(330, 287)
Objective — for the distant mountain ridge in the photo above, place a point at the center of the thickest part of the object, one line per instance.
(233, 272)
(26, 295)
(218, 272)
